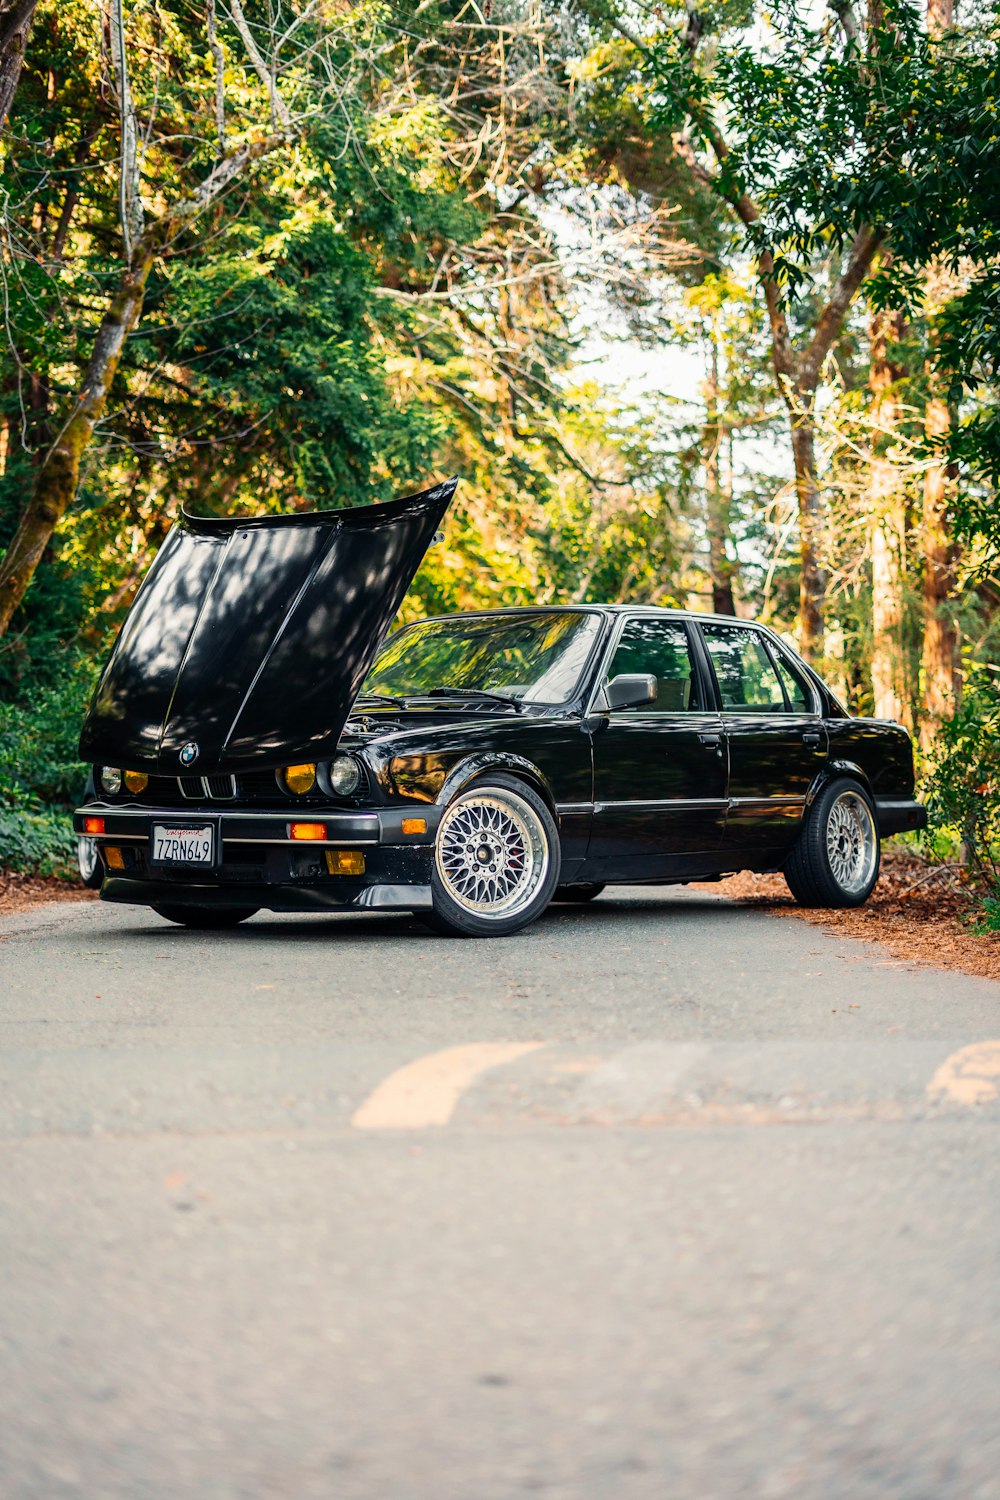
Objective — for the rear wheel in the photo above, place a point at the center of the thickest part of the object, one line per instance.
(577, 892)
(496, 860)
(836, 860)
(208, 918)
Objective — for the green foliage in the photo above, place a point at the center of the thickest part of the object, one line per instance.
(39, 762)
(964, 781)
(40, 772)
(40, 842)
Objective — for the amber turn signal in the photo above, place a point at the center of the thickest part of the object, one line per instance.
(307, 831)
(300, 779)
(93, 825)
(136, 781)
(345, 861)
(414, 825)
(113, 857)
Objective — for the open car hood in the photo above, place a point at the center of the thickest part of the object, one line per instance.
(249, 639)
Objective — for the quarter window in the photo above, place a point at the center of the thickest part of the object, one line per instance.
(659, 648)
(747, 679)
(799, 695)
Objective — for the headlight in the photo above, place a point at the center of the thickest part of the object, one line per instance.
(345, 773)
(299, 779)
(136, 781)
(111, 780)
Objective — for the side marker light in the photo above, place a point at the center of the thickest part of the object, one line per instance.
(345, 861)
(93, 825)
(414, 825)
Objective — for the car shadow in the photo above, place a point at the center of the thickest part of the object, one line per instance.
(366, 927)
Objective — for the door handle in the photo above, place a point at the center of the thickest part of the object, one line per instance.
(810, 738)
(710, 739)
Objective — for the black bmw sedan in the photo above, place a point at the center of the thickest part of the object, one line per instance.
(258, 742)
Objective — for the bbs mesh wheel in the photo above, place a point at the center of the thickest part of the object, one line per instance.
(496, 860)
(836, 859)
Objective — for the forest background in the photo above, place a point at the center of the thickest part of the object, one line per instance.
(296, 254)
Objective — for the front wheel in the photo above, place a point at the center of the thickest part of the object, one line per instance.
(496, 860)
(207, 918)
(836, 860)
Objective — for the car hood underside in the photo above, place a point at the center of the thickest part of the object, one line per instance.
(249, 639)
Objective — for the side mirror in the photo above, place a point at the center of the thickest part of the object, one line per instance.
(629, 689)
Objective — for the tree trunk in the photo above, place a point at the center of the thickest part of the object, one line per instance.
(15, 23)
(940, 662)
(940, 658)
(59, 471)
(812, 582)
(718, 500)
(888, 519)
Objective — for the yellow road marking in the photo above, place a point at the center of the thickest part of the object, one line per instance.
(969, 1076)
(426, 1092)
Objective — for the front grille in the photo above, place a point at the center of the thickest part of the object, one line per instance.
(220, 788)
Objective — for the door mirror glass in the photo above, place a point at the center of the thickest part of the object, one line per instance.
(630, 689)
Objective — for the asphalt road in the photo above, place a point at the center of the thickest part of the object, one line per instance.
(664, 1198)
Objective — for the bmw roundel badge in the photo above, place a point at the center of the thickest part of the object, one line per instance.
(189, 753)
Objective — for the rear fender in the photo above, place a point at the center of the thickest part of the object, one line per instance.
(831, 771)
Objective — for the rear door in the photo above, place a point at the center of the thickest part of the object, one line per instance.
(660, 767)
(777, 739)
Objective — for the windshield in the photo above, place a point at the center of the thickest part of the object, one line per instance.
(536, 658)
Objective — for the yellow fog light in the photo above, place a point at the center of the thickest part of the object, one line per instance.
(414, 825)
(300, 779)
(113, 857)
(136, 781)
(345, 861)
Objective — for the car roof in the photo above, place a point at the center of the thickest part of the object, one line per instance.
(604, 609)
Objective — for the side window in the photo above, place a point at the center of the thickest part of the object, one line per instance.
(800, 696)
(658, 647)
(747, 679)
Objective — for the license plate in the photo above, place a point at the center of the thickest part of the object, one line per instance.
(190, 844)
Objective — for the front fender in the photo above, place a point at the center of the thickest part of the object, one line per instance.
(473, 766)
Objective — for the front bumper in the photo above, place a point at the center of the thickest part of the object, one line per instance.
(258, 863)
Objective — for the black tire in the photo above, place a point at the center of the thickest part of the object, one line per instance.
(89, 863)
(207, 918)
(835, 862)
(576, 893)
(514, 826)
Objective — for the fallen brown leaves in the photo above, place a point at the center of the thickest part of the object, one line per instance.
(19, 892)
(919, 912)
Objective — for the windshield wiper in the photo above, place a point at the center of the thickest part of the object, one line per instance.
(386, 698)
(457, 692)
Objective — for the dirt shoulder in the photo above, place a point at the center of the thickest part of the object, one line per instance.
(19, 892)
(921, 913)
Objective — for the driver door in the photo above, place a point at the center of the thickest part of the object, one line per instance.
(660, 768)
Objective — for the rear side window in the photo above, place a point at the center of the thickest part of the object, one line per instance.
(747, 678)
(799, 694)
(660, 648)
